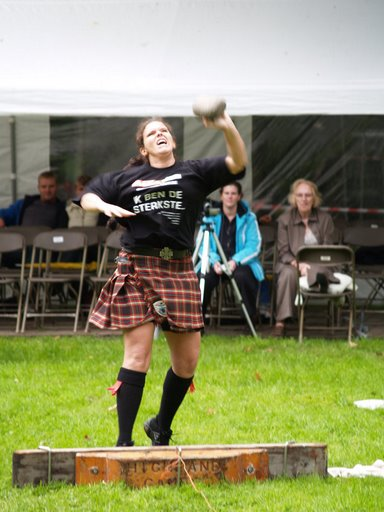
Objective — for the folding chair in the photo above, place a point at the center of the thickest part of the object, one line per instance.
(12, 278)
(29, 232)
(51, 285)
(338, 257)
(268, 261)
(367, 240)
(111, 248)
(96, 237)
(224, 305)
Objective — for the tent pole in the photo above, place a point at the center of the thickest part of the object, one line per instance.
(12, 128)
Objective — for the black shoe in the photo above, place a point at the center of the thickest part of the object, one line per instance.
(125, 443)
(323, 282)
(157, 436)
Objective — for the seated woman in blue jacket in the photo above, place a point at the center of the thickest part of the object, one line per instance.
(239, 235)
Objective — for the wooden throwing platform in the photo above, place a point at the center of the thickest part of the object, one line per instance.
(163, 465)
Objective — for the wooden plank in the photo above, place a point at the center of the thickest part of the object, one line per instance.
(285, 459)
(169, 468)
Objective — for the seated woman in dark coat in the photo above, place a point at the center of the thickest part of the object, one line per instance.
(303, 224)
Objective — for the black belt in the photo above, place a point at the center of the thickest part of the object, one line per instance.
(166, 253)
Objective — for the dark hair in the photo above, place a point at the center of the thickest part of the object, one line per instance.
(234, 184)
(47, 175)
(83, 180)
(139, 159)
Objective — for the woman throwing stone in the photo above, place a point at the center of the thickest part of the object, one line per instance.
(158, 200)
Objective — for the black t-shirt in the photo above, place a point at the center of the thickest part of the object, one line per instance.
(227, 236)
(39, 213)
(167, 202)
(35, 212)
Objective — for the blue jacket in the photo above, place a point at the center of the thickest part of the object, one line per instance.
(11, 215)
(248, 240)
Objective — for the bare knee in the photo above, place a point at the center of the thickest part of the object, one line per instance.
(138, 348)
(185, 351)
(185, 367)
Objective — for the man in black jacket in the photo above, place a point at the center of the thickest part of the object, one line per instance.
(43, 209)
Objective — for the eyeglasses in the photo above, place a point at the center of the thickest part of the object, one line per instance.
(301, 196)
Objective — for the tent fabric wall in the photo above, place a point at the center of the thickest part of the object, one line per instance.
(6, 192)
(75, 146)
(199, 142)
(278, 62)
(32, 155)
(145, 57)
(343, 155)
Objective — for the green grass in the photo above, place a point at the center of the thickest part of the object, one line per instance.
(53, 392)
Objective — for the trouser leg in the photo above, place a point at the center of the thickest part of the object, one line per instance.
(211, 281)
(247, 284)
(174, 391)
(129, 397)
(286, 292)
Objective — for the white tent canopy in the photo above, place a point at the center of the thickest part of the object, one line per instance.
(116, 60)
(141, 57)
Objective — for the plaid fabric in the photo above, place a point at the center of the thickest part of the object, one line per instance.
(126, 300)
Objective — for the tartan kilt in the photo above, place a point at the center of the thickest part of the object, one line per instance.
(126, 300)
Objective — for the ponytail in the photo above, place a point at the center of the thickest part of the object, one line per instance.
(135, 161)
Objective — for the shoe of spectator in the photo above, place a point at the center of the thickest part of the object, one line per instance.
(278, 331)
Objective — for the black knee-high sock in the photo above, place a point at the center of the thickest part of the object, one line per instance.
(174, 391)
(128, 402)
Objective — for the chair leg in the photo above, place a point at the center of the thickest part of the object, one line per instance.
(47, 289)
(19, 309)
(219, 303)
(26, 305)
(350, 325)
(91, 306)
(78, 306)
(301, 321)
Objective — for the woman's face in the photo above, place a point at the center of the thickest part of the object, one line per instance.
(157, 140)
(304, 199)
(230, 196)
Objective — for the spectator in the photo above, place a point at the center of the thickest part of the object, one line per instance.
(43, 209)
(303, 224)
(238, 233)
(77, 217)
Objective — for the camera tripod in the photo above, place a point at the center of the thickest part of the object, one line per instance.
(203, 238)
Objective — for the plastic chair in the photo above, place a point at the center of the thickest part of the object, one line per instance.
(111, 248)
(12, 278)
(342, 258)
(55, 281)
